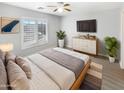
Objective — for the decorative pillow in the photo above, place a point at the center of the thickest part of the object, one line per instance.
(3, 76)
(10, 56)
(17, 77)
(25, 66)
(2, 55)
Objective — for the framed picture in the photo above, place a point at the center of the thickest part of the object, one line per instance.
(9, 25)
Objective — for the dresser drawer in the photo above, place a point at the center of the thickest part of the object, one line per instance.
(76, 43)
(92, 50)
(91, 43)
(85, 45)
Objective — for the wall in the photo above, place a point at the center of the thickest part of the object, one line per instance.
(11, 11)
(108, 24)
(122, 40)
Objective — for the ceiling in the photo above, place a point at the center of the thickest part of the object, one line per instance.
(75, 6)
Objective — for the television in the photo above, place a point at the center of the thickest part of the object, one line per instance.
(86, 25)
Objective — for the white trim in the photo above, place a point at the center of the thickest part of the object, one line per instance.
(46, 39)
(68, 46)
(122, 41)
(103, 55)
(38, 42)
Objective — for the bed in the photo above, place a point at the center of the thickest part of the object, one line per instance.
(48, 74)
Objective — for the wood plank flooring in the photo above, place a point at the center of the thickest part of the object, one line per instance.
(113, 76)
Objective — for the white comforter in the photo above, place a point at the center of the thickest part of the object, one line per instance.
(63, 77)
(50, 75)
(39, 80)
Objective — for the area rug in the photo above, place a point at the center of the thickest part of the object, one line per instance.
(93, 79)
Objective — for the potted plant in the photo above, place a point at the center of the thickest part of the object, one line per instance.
(111, 46)
(61, 35)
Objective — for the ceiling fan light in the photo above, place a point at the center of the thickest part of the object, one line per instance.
(60, 10)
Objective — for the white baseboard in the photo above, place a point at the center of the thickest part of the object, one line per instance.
(121, 65)
(99, 54)
(68, 46)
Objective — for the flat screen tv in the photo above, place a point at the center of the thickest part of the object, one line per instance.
(86, 25)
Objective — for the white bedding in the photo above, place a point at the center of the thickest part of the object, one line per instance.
(62, 76)
(40, 81)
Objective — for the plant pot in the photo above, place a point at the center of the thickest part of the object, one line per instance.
(111, 59)
(61, 43)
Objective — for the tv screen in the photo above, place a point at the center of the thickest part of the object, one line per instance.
(86, 26)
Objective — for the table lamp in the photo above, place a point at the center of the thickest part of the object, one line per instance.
(6, 47)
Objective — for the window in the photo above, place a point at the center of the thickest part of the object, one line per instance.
(34, 32)
(41, 30)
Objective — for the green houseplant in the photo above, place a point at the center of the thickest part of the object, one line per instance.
(111, 46)
(61, 35)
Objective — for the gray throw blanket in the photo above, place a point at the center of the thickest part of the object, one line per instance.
(72, 63)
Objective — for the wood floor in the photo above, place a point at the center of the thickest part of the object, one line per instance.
(113, 76)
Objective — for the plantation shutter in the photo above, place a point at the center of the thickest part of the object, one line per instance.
(34, 32)
(29, 34)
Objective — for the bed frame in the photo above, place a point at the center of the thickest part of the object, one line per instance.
(80, 79)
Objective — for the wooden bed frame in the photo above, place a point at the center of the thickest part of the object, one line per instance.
(80, 79)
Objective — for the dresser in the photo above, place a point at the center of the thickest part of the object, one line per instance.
(86, 45)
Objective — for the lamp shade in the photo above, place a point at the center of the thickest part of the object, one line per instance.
(6, 47)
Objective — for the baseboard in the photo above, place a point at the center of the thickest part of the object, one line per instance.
(121, 65)
(67, 46)
(103, 55)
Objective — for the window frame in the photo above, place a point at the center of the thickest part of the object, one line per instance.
(38, 42)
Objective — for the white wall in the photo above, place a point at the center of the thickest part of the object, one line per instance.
(11, 11)
(122, 40)
(108, 24)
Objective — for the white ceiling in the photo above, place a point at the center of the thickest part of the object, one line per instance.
(75, 6)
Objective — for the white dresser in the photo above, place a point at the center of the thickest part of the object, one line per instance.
(89, 46)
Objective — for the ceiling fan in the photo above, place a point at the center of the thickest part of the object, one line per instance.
(61, 7)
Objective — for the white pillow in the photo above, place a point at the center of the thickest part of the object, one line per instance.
(25, 66)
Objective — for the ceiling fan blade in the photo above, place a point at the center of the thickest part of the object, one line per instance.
(67, 9)
(60, 2)
(55, 10)
(66, 5)
(51, 6)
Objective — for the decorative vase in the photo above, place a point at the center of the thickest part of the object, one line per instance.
(111, 59)
(61, 43)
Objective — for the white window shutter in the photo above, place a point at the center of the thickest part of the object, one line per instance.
(34, 32)
(29, 33)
